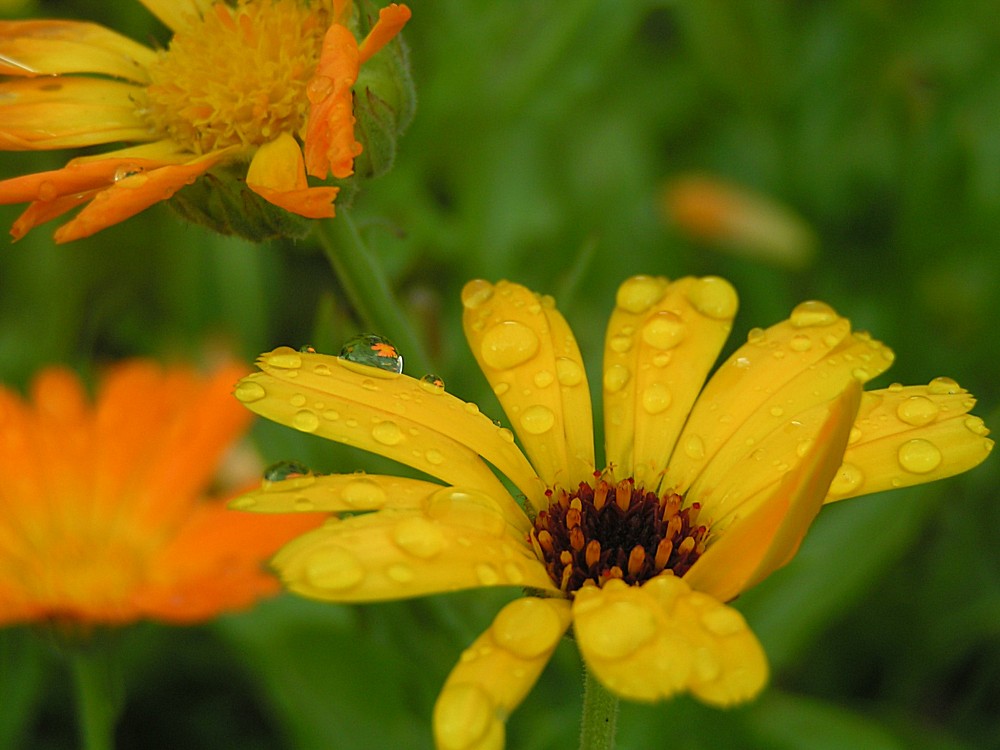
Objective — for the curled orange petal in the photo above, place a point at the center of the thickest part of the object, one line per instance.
(329, 143)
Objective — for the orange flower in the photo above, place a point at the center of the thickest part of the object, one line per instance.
(101, 520)
(267, 82)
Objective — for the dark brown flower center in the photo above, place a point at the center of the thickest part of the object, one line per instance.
(606, 530)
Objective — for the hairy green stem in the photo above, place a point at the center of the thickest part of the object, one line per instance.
(600, 715)
(367, 287)
(98, 696)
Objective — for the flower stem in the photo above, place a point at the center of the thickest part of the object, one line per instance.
(98, 696)
(367, 287)
(600, 715)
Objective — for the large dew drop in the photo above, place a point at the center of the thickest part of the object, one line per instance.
(282, 470)
(373, 351)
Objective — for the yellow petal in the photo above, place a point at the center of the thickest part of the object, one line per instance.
(496, 673)
(910, 435)
(336, 493)
(277, 173)
(458, 539)
(745, 548)
(66, 112)
(177, 13)
(778, 375)
(530, 358)
(662, 340)
(393, 415)
(648, 643)
(29, 48)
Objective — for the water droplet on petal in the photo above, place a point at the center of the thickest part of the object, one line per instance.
(847, 479)
(615, 378)
(620, 343)
(714, 298)
(776, 411)
(617, 629)
(976, 426)
(465, 717)
(506, 434)
(917, 411)
(487, 574)
(472, 509)
(248, 391)
(334, 568)
(803, 447)
(432, 383)
(694, 447)
(47, 191)
(543, 379)
(943, 387)
(513, 572)
(297, 400)
(434, 457)
(800, 343)
(656, 398)
(373, 351)
(387, 433)
(723, 621)
(475, 293)
(303, 504)
(812, 313)
(527, 628)
(282, 470)
(919, 456)
(419, 537)
(664, 330)
(895, 388)
(283, 357)
(639, 293)
(855, 436)
(501, 388)
(756, 336)
(568, 372)
(307, 349)
(305, 420)
(363, 494)
(400, 573)
(508, 344)
(537, 420)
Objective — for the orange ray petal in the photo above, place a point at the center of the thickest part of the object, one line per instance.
(133, 194)
(754, 546)
(329, 143)
(391, 20)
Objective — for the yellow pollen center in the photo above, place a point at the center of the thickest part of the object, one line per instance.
(236, 76)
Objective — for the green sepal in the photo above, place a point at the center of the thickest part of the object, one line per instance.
(221, 201)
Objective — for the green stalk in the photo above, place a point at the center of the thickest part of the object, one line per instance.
(600, 715)
(98, 695)
(367, 287)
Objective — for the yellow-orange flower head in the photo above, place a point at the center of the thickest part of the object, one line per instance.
(264, 82)
(103, 518)
(707, 487)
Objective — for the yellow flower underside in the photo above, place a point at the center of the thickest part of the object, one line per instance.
(779, 429)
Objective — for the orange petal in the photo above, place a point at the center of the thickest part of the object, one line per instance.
(391, 20)
(75, 177)
(752, 547)
(277, 174)
(329, 143)
(134, 193)
(177, 13)
(49, 47)
(40, 212)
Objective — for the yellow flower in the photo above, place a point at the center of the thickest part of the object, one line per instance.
(706, 490)
(238, 84)
(102, 516)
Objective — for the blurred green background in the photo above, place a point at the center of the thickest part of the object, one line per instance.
(543, 137)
